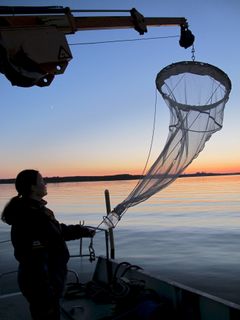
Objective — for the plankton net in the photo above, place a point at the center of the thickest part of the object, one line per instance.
(196, 94)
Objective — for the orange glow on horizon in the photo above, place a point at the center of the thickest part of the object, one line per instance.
(214, 169)
(115, 171)
(100, 169)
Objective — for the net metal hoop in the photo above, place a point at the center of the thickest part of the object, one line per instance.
(197, 68)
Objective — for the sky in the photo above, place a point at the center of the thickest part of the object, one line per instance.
(97, 117)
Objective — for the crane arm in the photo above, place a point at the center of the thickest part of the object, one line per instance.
(33, 44)
(12, 17)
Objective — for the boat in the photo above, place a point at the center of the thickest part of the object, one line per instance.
(118, 290)
(114, 289)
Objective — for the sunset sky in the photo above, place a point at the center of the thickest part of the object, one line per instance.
(96, 118)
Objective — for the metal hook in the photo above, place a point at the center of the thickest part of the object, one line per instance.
(193, 53)
(92, 255)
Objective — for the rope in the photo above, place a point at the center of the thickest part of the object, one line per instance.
(148, 157)
(151, 144)
(4, 241)
(153, 132)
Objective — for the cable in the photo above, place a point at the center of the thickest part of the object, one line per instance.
(119, 40)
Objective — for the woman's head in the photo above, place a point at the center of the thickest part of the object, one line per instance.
(30, 183)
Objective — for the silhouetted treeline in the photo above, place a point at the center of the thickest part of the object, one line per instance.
(83, 178)
(113, 177)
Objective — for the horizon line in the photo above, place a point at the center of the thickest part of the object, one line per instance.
(121, 176)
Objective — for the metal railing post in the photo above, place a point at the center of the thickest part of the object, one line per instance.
(110, 230)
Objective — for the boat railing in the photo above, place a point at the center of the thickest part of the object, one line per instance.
(91, 250)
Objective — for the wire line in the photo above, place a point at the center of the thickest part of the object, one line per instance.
(119, 40)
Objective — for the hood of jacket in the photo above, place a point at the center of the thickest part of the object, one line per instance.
(17, 208)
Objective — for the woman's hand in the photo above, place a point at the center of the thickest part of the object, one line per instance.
(87, 232)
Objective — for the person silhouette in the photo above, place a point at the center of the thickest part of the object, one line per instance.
(39, 245)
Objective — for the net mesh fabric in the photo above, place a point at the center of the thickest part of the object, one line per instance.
(196, 94)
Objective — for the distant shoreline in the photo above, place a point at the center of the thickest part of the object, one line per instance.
(114, 177)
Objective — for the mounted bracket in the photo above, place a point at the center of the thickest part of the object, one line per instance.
(33, 56)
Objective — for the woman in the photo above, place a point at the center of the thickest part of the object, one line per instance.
(39, 245)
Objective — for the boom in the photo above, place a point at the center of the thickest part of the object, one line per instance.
(33, 44)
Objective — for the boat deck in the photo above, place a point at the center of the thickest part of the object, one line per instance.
(14, 306)
(120, 291)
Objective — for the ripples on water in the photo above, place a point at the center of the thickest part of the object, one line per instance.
(189, 232)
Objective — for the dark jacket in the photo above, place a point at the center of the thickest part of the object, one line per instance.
(39, 246)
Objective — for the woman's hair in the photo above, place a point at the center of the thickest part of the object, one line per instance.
(23, 183)
(25, 180)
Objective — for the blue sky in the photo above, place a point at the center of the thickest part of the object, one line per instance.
(97, 117)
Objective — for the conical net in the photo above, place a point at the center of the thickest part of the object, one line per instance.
(196, 94)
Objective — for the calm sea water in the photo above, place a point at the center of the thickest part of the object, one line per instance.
(189, 232)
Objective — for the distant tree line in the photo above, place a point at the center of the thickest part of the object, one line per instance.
(116, 177)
